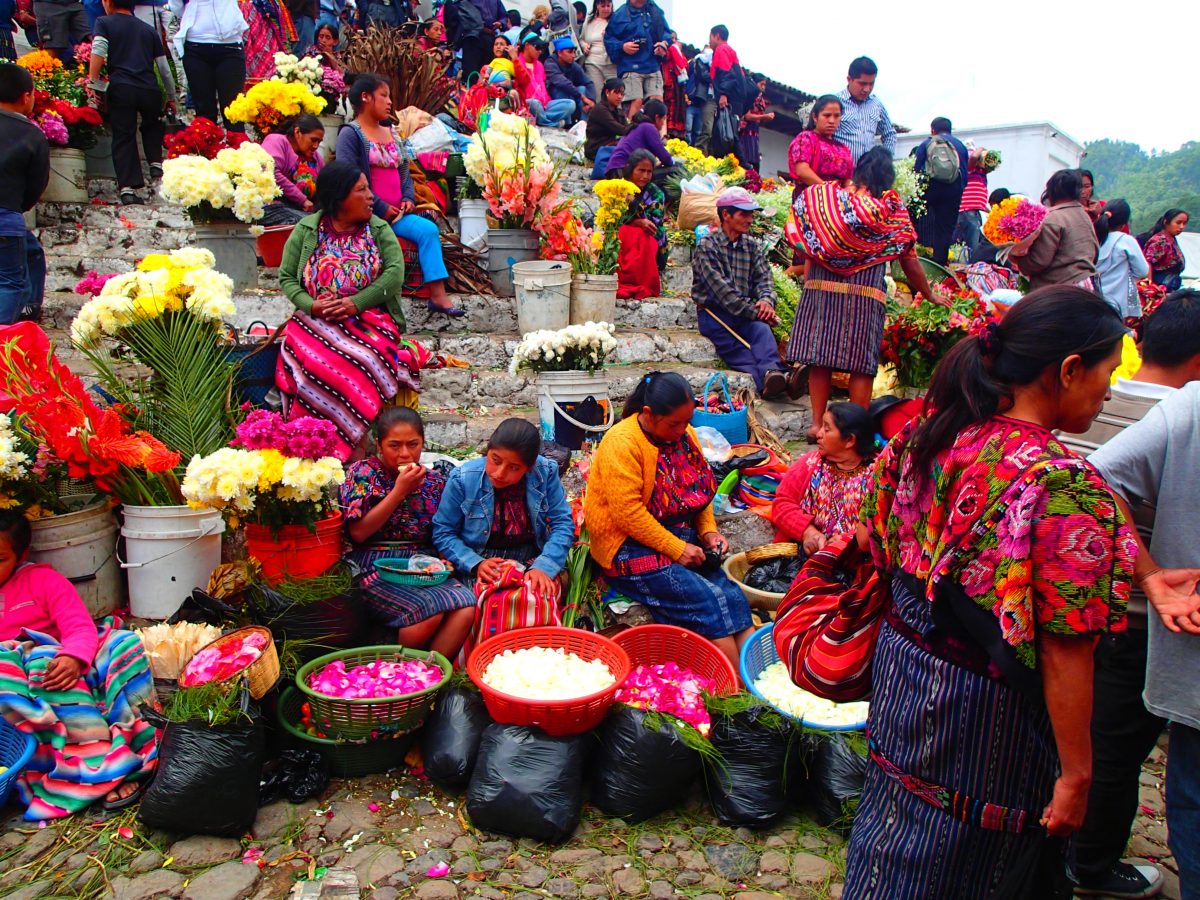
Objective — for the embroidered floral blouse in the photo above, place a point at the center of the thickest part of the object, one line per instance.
(343, 263)
(818, 493)
(368, 482)
(1056, 556)
(830, 160)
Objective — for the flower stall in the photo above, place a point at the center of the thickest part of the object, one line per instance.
(324, 82)
(594, 254)
(71, 127)
(278, 478)
(520, 185)
(570, 386)
(916, 337)
(218, 192)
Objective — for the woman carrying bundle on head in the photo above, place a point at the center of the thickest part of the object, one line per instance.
(649, 513)
(388, 503)
(504, 520)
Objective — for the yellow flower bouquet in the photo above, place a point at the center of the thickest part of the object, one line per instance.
(168, 317)
(269, 102)
(615, 195)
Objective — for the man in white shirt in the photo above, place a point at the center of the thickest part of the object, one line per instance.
(1124, 731)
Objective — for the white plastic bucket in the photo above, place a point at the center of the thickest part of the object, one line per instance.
(555, 389)
(506, 248)
(68, 177)
(543, 295)
(472, 224)
(332, 124)
(234, 249)
(81, 546)
(169, 551)
(593, 299)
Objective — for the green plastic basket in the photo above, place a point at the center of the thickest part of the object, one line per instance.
(395, 571)
(358, 719)
(346, 759)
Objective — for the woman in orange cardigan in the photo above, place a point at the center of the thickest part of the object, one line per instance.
(649, 513)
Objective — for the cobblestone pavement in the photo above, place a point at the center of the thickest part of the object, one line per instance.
(380, 836)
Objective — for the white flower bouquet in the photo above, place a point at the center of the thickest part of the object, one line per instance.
(572, 349)
(910, 185)
(237, 184)
(295, 70)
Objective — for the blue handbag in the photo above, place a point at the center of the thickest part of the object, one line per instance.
(734, 425)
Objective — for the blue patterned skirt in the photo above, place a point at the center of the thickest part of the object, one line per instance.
(962, 766)
(705, 602)
(401, 605)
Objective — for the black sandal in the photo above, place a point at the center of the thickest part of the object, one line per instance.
(125, 802)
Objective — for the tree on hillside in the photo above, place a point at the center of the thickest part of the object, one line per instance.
(1151, 184)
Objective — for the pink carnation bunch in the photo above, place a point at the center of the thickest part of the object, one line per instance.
(53, 127)
(83, 52)
(1024, 220)
(669, 688)
(303, 438)
(332, 81)
(92, 283)
(380, 678)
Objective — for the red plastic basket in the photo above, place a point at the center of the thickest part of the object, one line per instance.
(649, 645)
(555, 717)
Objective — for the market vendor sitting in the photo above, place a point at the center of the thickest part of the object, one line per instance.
(388, 502)
(75, 688)
(648, 511)
(735, 295)
(509, 505)
(822, 493)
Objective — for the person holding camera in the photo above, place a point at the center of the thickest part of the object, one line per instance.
(637, 40)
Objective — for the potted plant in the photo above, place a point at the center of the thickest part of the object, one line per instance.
(595, 254)
(510, 164)
(278, 478)
(169, 548)
(232, 185)
(567, 363)
(69, 124)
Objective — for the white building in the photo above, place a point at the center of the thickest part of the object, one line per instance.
(1031, 153)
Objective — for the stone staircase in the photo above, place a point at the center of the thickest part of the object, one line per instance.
(461, 405)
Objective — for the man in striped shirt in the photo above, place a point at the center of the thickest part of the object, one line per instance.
(974, 204)
(864, 117)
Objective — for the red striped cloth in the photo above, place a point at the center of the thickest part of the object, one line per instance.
(975, 194)
(850, 231)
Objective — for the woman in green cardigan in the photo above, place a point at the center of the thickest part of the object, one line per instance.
(343, 356)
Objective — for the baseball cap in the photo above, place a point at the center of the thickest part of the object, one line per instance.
(738, 198)
(563, 43)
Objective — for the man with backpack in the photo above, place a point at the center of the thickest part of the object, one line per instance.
(943, 159)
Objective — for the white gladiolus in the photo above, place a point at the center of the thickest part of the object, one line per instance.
(542, 673)
(775, 683)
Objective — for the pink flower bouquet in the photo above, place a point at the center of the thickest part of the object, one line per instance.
(375, 679)
(223, 659)
(669, 688)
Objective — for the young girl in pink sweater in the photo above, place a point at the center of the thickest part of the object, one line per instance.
(75, 687)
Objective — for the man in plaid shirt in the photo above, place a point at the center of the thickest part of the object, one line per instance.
(735, 293)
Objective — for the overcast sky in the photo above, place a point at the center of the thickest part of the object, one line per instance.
(979, 63)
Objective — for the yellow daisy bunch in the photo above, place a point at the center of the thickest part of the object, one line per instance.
(269, 102)
(615, 195)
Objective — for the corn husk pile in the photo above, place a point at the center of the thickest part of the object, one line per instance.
(169, 647)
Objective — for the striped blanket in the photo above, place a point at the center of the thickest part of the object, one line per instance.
(849, 231)
(90, 738)
(347, 371)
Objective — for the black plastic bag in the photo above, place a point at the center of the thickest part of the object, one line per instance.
(332, 623)
(775, 575)
(204, 608)
(748, 789)
(207, 778)
(639, 771)
(725, 133)
(527, 784)
(451, 736)
(296, 776)
(722, 469)
(835, 780)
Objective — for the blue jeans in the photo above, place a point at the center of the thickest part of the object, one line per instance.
(969, 229)
(693, 119)
(601, 167)
(424, 234)
(306, 29)
(22, 275)
(554, 114)
(1183, 806)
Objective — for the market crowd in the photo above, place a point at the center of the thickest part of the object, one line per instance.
(1035, 622)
